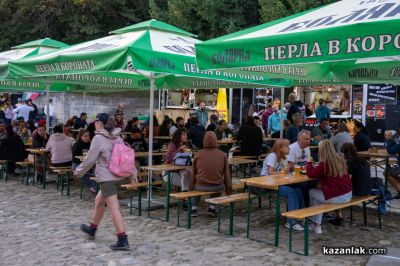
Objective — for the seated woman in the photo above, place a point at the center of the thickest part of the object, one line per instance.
(361, 139)
(82, 145)
(210, 171)
(12, 143)
(178, 144)
(163, 130)
(333, 177)
(276, 163)
(60, 148)
(39, 141)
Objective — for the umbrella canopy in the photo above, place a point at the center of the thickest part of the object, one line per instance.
(151, 46)
(351, 41)
(27, 50)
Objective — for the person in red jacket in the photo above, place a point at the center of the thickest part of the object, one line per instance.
(333, 177)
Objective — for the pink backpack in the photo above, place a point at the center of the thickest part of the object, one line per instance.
(122, 162)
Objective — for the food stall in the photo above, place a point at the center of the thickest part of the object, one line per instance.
(175, 103)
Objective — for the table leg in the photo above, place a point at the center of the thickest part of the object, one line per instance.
(277, 216)
(231, 213)
(167, 196)
(248, 212)
(44, 163)
(189, 213)
(139, 202)
(306, 237)
(386, 172)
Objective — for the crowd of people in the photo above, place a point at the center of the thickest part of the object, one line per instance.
(338, 172)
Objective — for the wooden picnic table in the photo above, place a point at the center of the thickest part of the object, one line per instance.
(163, 137)
(167, 168)
(42, 153)
(270, 139)
(145, 154)
(381, 154)
(271, 182)
(235, 161)
(226, 141)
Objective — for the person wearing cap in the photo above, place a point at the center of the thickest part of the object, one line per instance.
(100, 155)
(135, 122)
(136, 140)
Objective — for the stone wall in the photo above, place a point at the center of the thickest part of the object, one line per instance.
(68, 104)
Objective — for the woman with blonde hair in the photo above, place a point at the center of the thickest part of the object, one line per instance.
(333, 177)
(276, 163)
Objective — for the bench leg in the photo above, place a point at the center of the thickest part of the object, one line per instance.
(259, 202)
(33, 176)
(290, 237)
(219, 218)
(81, 192)
(306, 237)
(68, 183)
(231, 213)
(380, 220)
(351, 215)
(179, 212)
(249, 201)
(60, 178)
(365, 213)
(189, 213)
(277, 216)
(44, 163)
(27, 175)
(130, 201)
(139, 202)
(168, 197)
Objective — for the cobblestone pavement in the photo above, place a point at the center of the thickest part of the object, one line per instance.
(41, 227)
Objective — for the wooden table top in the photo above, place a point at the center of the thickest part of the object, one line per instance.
(275, 181)
(226, 141)
(163, 137)
(238, 160)
(166, 167)
(380, 153)
(144, 154)
(37, 151)
(270, 139)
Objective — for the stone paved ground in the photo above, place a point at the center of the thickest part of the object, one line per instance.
(40, 227)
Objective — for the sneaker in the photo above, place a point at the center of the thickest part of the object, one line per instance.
(316, 228)
(121, 244)
(337, 221)
(296, 227)
(397, 196)
(91, 232)
(211, 212)
(194, 213)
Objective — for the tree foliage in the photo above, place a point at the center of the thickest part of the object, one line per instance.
(74, 21)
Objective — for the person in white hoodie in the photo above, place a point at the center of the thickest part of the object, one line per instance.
(100, 154)
(60, 147)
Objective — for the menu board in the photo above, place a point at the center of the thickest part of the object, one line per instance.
(377, 111)
(381, 94)
(357, 100)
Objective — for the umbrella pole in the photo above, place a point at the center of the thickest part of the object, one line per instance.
(84, 102)
(48, 107)
(282, 110)
(150, 159)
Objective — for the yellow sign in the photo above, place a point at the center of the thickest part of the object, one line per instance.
(222, 106)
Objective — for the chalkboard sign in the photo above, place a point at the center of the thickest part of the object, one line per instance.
(381, 94)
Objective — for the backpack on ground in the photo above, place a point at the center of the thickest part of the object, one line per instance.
(182, 158)
(122, 162)
(378, 188)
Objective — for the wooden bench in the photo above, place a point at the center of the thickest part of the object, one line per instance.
(3, 169)
(303, 214)
(188, 195)
(225, 201)
(26, 167)
(63, 174)
(139, 187)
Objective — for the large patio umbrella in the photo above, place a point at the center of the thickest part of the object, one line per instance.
(153, 53)
(350, 41)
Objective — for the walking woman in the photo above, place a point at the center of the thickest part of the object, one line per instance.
(100, 154)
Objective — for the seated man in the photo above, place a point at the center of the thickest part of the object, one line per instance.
(136, 140)
(210, 171)
(296, 127)
(299, 152)
(394, 172)
(23, 132)
(223, 132)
